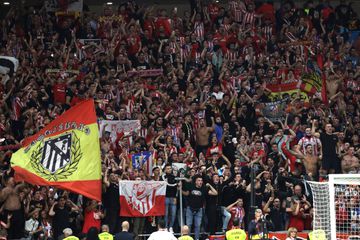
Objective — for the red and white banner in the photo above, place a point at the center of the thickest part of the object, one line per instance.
(142, 198)
(119, 126)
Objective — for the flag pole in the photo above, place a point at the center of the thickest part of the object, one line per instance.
(179, 179)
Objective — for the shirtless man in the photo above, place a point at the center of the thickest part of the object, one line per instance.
(333, 84)
(202, 136)
(349, 162)
(310, 161)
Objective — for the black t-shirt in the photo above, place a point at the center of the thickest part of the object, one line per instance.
(328, 143)
(227, 195)
(112, 197)
(170, 190)
(276, 216)
(61, 219)
(213, 201)
(196, 198)
(17, 223)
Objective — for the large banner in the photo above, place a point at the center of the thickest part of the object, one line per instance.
(143, 160)
(119, 126)
(142, 198)
(64, 154)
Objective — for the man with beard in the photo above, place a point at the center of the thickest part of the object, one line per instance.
(310, 139)
(187, 130)
(196, 201)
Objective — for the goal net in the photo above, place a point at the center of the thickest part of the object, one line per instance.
(336, 206)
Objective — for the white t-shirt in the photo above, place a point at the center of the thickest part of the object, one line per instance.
(162, 235)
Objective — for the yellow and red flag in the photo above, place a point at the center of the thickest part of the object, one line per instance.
(64, 154)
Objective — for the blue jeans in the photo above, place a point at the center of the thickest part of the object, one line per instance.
(190, 215)
(170, 204)
(226, 216)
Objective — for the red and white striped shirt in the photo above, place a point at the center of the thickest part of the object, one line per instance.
(199, 30)
(231, 55)
(210, 45)
(237, 10)
(17, 106)
(268, 31)
(249, 18)
(143, 132)
(172, 47)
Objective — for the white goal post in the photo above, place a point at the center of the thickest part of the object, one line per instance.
(336, 206)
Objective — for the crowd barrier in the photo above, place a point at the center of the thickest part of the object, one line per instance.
(219, 236)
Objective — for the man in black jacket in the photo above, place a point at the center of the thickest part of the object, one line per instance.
(124, 234)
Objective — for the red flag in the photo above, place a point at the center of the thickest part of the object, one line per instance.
(142, 198)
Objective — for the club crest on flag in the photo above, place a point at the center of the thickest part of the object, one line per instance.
(142, 198)
(142, 160)
(56, 153)
(57, 158)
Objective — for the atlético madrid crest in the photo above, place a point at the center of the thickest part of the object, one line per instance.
(57, 157)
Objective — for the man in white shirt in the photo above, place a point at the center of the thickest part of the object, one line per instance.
(162, 233)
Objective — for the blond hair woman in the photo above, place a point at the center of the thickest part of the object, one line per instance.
(292, 234)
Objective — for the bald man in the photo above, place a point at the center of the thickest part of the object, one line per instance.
(185, 233)
(124, 234)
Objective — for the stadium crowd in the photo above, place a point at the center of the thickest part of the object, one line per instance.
(212, 71)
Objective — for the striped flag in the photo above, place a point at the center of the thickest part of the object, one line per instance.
(142, 198)
(143, 160)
